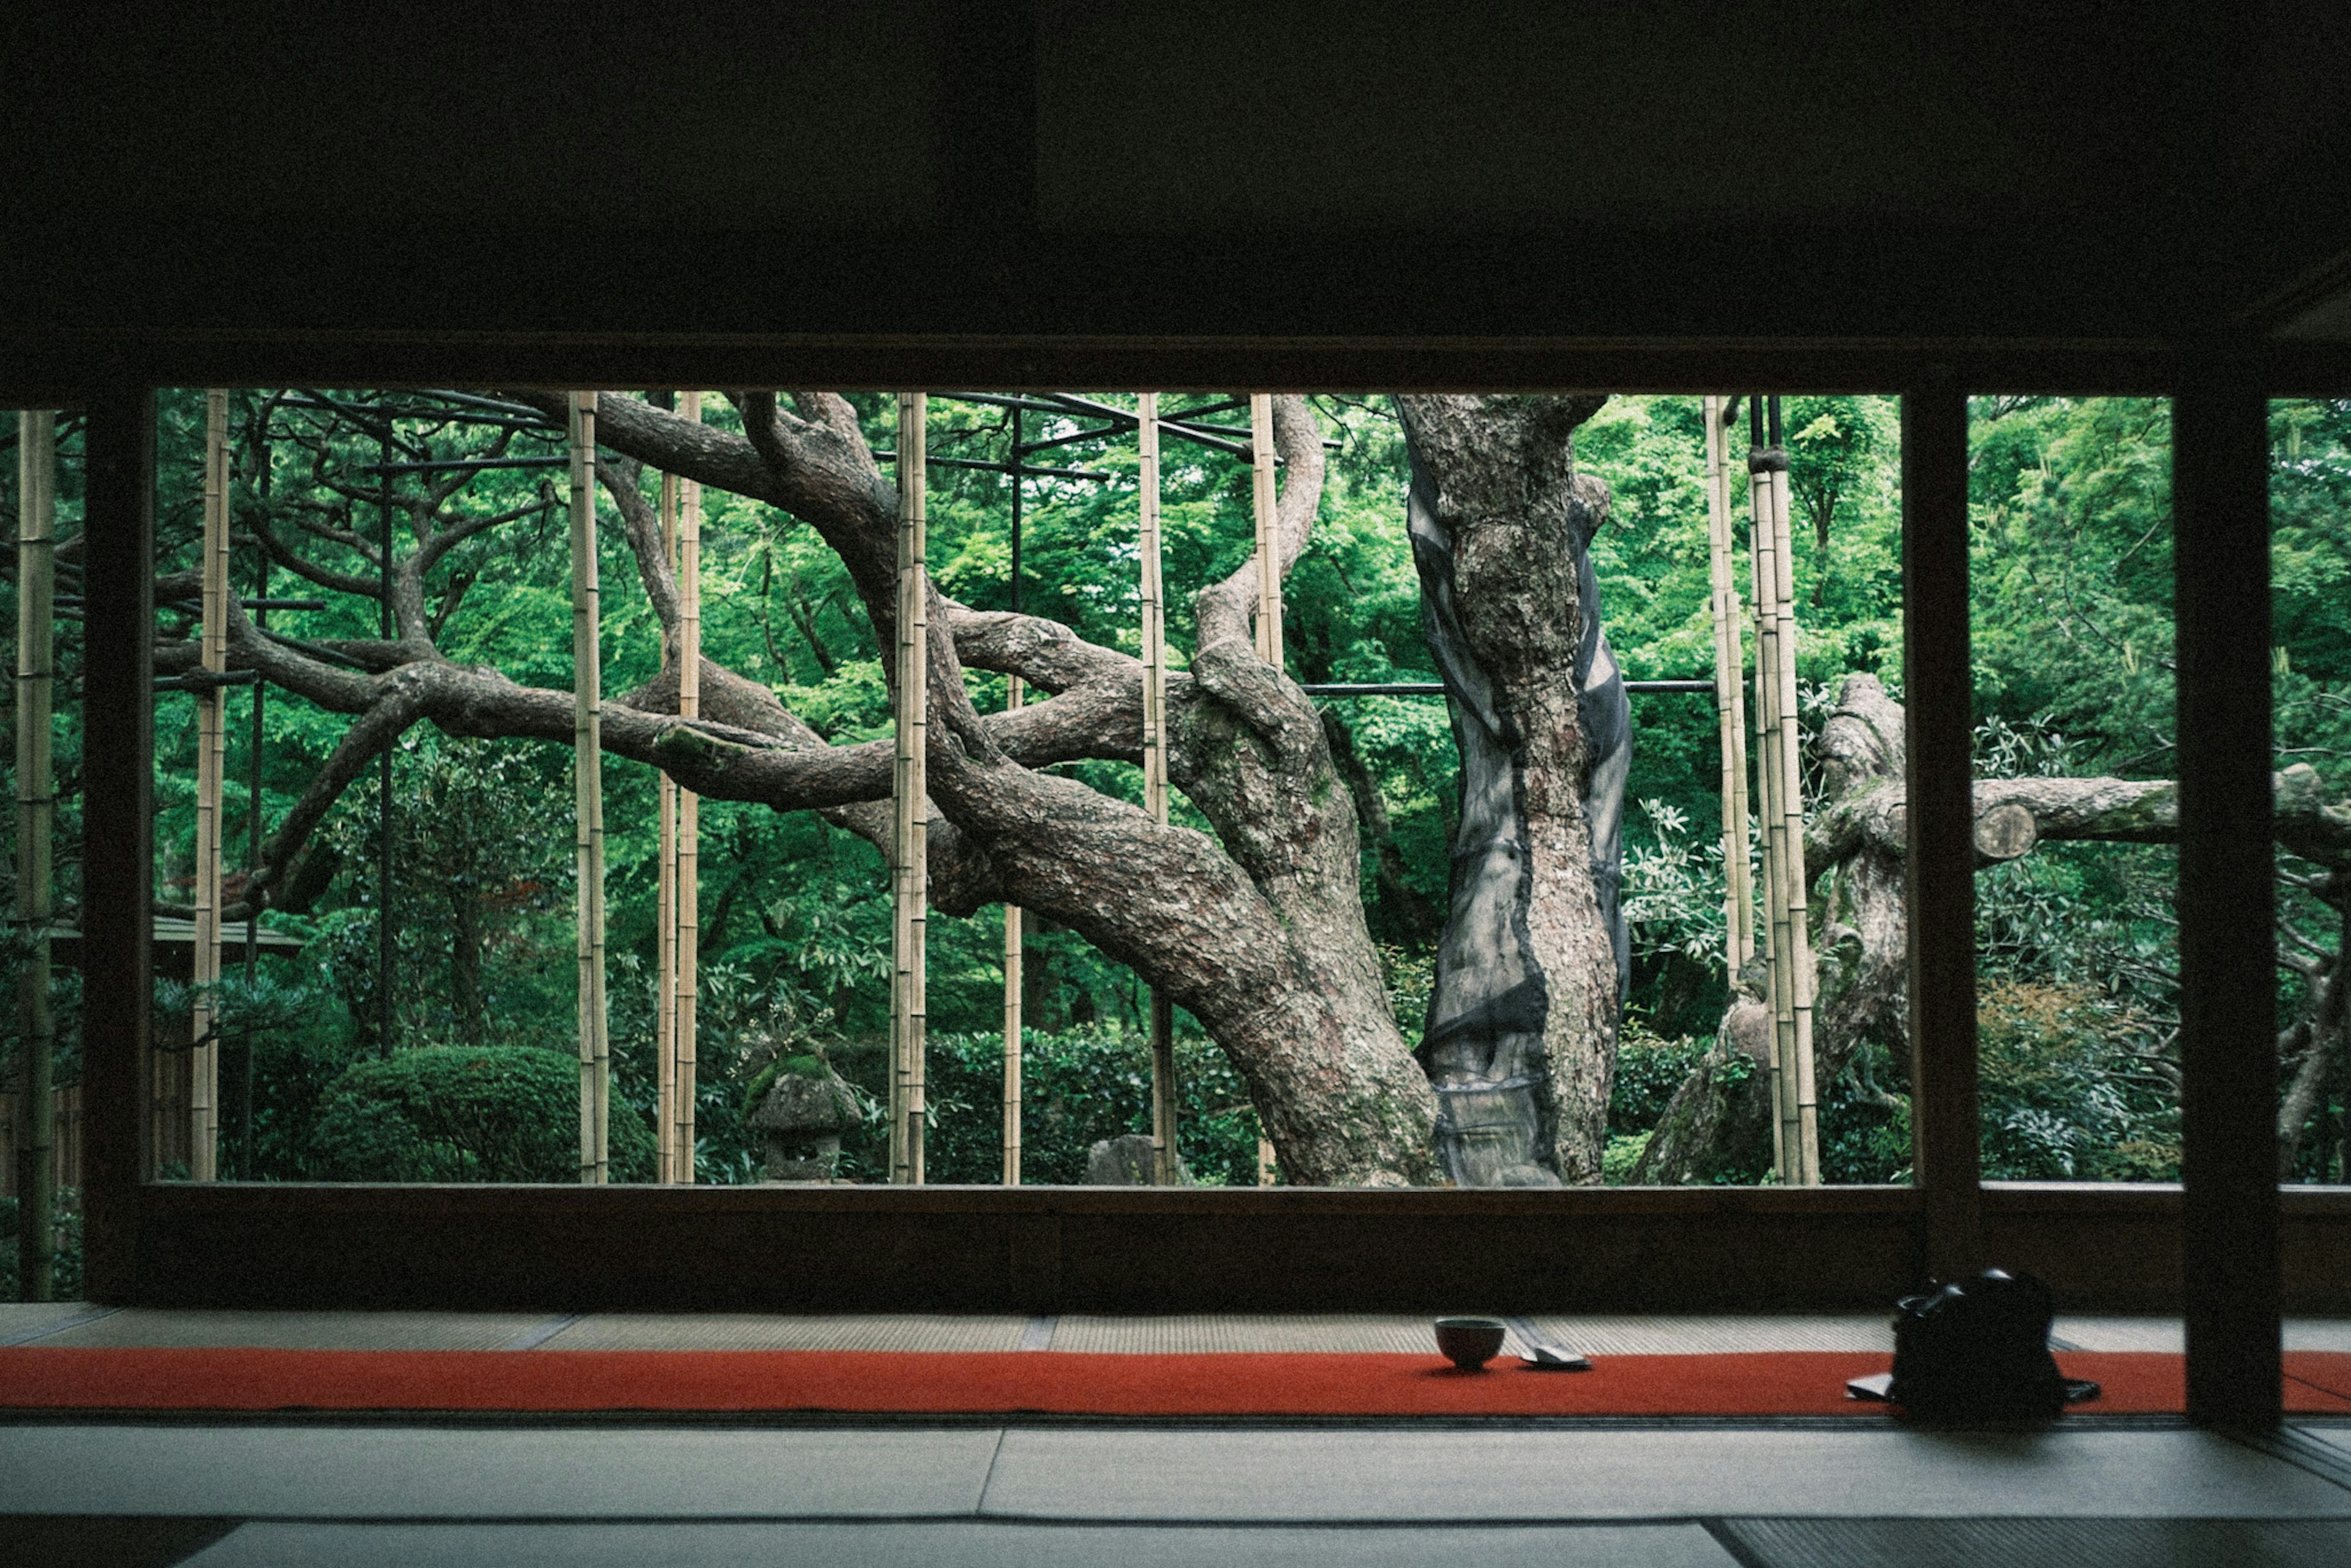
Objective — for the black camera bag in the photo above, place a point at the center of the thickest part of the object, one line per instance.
(1980, 1350)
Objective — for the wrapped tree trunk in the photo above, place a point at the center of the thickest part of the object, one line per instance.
(1530, 970)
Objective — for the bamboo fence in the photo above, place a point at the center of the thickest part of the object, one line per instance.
(203, 1063)
(1166, 1160)
(1729, 701)
(1264, 506)
(588, 774)
(679, 916)
(36, 1180)
(910, 783)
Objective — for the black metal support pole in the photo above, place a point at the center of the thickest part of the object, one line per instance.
(2228, 975)
(383, 789)
(117, 819)
(1940, 732)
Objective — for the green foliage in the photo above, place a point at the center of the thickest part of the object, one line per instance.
(455, 1114)
(2067, 1095)
(1649, 1070)
(1077, 1087)
(65, 1283)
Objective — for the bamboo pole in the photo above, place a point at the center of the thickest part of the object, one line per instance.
(37, 1174)
(1015, 942)
(665, 915)
(1263, 508)
(685, 942)
(1730, 702)
(587, 777)
(910, 796)
(1760, 538)
(1803, 980)
(1269, 549)
(1166, 1160)
(203, 1063)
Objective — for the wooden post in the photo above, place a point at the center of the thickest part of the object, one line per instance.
(1940, 828)
(588, 775)
(910, 794)
(1166, 1160)
(2227, 979)
(1803, 978)
(118, 826)
(203, 1075)
(685, 937)
(1761, 542)
(1015, 942)
(1730, 702)
(37, 1171)
(1265, 509)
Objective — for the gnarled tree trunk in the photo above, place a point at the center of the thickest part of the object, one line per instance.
(1521, 1038)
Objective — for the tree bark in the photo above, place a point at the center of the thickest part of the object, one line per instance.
(1257, 927)
(1521, 1038)
(1854, 844)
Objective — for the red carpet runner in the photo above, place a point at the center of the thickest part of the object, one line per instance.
(1807, 1383)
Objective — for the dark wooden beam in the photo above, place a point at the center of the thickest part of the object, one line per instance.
(1938, 702)
(2228, 963)
(118, 770)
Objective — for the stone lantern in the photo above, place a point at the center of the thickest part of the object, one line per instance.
(806, 1110)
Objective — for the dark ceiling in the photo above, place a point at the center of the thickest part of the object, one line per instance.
(1679, 169)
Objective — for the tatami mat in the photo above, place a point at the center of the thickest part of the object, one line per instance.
(176, 1329)
(1209, 1334)
(2043, 1542)
(750, 1331)
(1678, 1335)
(2166, 1333)
(422, 1472)
(959, 1543)
(1853, 1470)
(23, 1321)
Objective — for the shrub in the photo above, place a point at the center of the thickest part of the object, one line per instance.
(467, 1114)
(1077, 1087)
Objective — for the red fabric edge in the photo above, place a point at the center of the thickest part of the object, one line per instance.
(1799, 1383)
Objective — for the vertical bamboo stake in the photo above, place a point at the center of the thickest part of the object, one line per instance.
(1730, 702)
(665, 915)
(1768, 778)
(1802, 979)
(910, 792)
(1268, 544)
(1012, 956)
(1264, 506)
(1014, 942)
(1166, 1161)
(37, 1173)
(587, 776)
(685, 941)
(203, 1075)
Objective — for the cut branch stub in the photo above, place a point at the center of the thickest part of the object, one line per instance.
(2005, 831)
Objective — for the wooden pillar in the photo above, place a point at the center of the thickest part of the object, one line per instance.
(685, 934)
(588, 775)
(1939, 835)
(117, 867)
(1729, 701)
(1264, 506)
(37, 1170)
(2227, 975)
(910, 795)
(203, 1075)
(1166, 1161)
